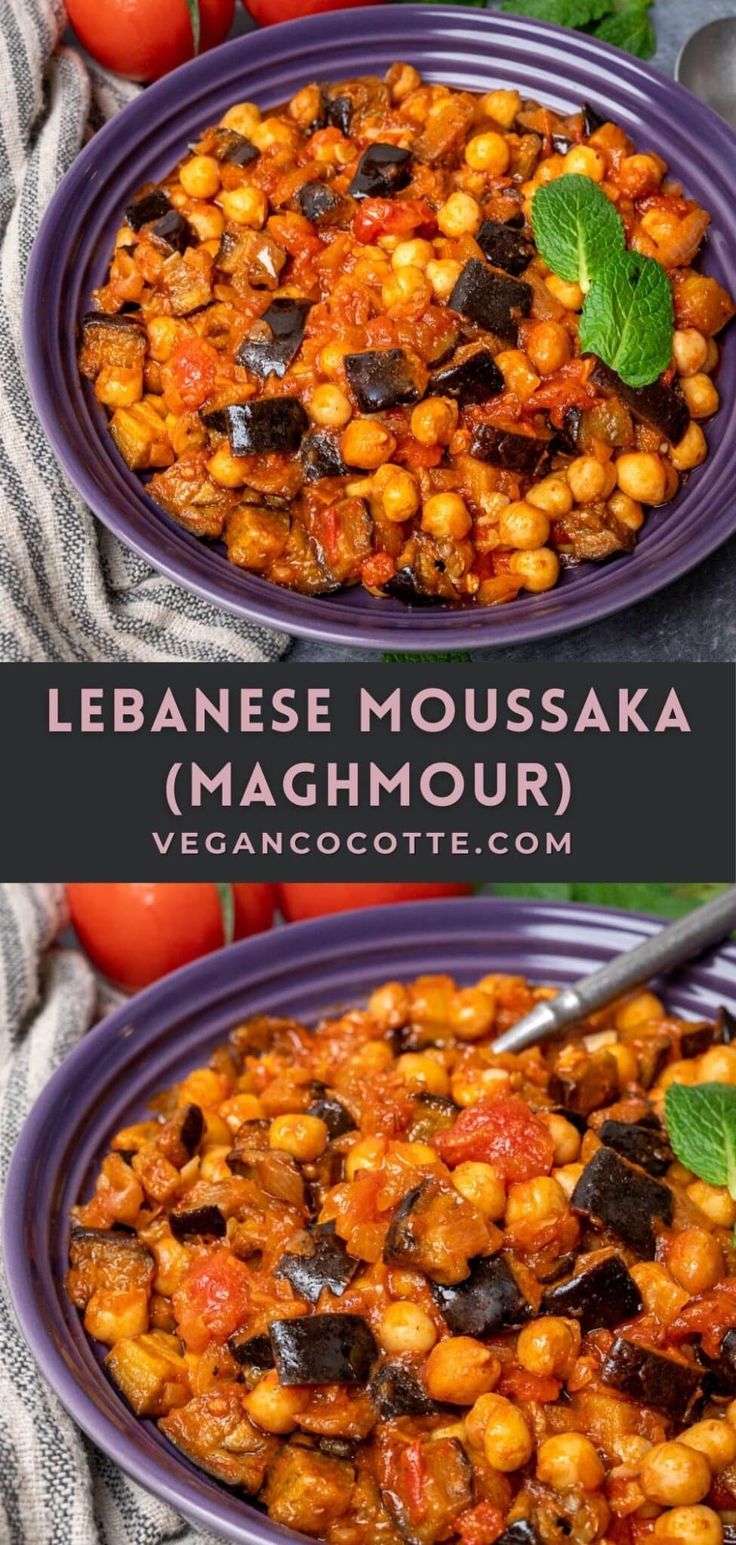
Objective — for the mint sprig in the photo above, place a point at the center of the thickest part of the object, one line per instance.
(627, 317)
(576, 228)
(624, 23)
(701, 1122)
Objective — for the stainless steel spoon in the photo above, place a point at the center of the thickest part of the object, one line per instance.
(671, 947)
(707, 66)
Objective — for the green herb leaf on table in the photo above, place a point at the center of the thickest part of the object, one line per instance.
(576, 228)
(701, 1122)
(566, 13)
(627, 318)
(671, 900)
(630, 28)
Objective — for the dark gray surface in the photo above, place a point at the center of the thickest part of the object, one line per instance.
(694, 618)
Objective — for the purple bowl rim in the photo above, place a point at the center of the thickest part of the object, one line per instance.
(363, 926)
(604, 598)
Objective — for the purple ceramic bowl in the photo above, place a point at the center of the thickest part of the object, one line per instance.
(304, 970)
(468, 49)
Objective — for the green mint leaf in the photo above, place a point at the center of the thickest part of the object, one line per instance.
(195, 19)
(630, 29)
(576, 228)
(627, 318)
(566, 13)
(701, 1121)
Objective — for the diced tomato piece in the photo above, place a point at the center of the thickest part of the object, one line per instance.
(189, 374)
(480, 1525)
(503, 1132)
(393, 217)
(411, 453)
(415, 1474)
(377, 570)
(213, 1300)
(516, 1383)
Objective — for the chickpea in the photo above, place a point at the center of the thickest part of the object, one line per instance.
(119, 386)
(640, 175)
(404, 1327)
(208, 222)
(273, 132)
(423, 1072)
(389, 1005)
(329, 407)
(460, 215)
(163, 333)
(399, 494)
(641, 475)
(471, 1013)
(717, 1066)
(549, 1346)
(443, 276)
(662, 1297)
(502, 105)
(330, 359)
(584, 161)
(274, 1407)
(552, 495)
(245, 206)
(567, 1177)
(406, 286)
(568, 1459)
(696, 1259)
(488, 153)
(244, 117)
(114, 1314)
(371, 1058)
(537, 569)
(692, 449)
(689, 1526)
(627, 510)
(447, 517)
(368, 1153)
(460, 1370)
(712, 357)
(200, 177)
(587, 478)
(304, 1137)
(638, 1011)
(716, 1439)
(366, 443)
(403, 79)
(700, 395)
(227, 470)
(565, 1137)
(548, 347)
(671, 1473)
(242, 1107)
(412, 254)
(507, 1440)
(434, 420)
(523, 526)
(690, 350)
(535, 1200)
(566, 292)
(482, 1185)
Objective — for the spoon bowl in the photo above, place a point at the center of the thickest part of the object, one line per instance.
(707, 66)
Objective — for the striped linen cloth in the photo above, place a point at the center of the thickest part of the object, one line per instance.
(55, 1487)
(68, 589)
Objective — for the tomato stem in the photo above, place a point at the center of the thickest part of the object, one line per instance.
(195, 19)
(227, 908)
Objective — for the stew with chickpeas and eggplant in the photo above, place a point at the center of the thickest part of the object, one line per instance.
(331, 338)
(401, 1288)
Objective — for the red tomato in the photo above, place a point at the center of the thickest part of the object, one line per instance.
(393, 217)
(143, 39)
(480, 1525)
(415, 1475)
(266, 12)
(189, 375)
(303, 900)
(503, 1132)
(517, 1384)
(137, 933)
(213, 1300)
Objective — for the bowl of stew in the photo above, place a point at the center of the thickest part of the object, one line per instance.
(299, 347)
(302, 1242)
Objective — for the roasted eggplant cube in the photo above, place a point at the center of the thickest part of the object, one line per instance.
(215, 1432)
(320, 456)
(102, 1259)
(591, 119)
(189, 1222)
(641, 1145)
(274, 340)
(434, 1231)
(149, 207)
(490, 300)
(336, 1118)
(396, 1391)
(339, 113)
(260, 428)
(695, 1039)
(600, 1298)
(150, 1371)
(325, 1263)
(505, 247)
(652, 1378)
(657, 406)
(472, 379)
(191, 1130)
(174, 232)
(307, 1490)
(616, 1196)
(381, 379)
(726, 1025)
(110, 341)
(515, 453)
(323, 1349)
(234, 149)
(488, 1301)
(721, 1374)
(317, 201)
(382, 170)
(521, 1532)
(251, 1351)
(446, 1488)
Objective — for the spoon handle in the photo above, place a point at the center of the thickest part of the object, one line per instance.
(668, 948)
